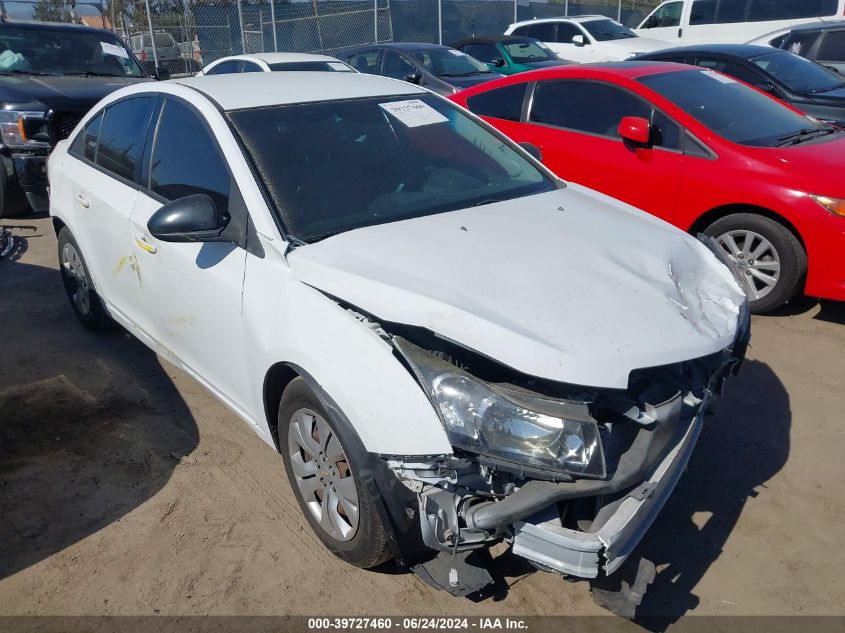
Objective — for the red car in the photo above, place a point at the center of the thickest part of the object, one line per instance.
(698, 149)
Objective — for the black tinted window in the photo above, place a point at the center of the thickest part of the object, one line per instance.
(502, 103)
(833, 47)
(545, 31)
(566, 31)
(225, 68)
(396, 66)
(703, 12)
(797, 42)
(733, 69)
(85, 143)
(486, 53)
(761, 10)
(585, 106)
(365, 62)
(177, 171)
(667, 15)
(729, 108)
(122, 134)
(249, 67)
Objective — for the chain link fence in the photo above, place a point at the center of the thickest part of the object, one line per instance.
(184, 35)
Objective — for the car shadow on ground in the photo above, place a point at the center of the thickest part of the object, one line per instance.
(86, 435)
(830, 311)
(744, 443)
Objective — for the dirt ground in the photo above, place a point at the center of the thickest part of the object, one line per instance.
(125, 488)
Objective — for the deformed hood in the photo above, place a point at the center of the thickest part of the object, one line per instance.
(570, 286)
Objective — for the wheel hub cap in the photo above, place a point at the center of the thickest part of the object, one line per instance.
(322, 473)
(756, 257)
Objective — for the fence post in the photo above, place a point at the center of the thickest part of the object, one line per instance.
(440, 22)
(241, 26)
(375, 21)
(317, 22)
(152, 37)
(515, 14)
(619, 14)
(566, 8)
(273, 24)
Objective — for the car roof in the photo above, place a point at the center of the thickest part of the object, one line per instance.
(564, 18)
(257, 90)
(602, 70)
(37, 25)
(744, 51)
(276, 58)
(825, 25)
(494, 39)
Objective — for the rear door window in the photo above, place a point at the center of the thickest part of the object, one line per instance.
(365, 62)
(122, 134)
(486, 53)
(832, 48)
(544, 31)
(224, 68)
(566, 31)
(733, 69)
(501, 103)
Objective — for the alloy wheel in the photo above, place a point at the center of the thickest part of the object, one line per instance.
(323, 475)
(74, 272)
(758, 259)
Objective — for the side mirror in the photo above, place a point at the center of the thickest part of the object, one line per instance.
(579, 40)
(766, 86)
(533, 150)
(635, 130)
(498, 62)
(189, 219)
(162, 74)
(414, 78)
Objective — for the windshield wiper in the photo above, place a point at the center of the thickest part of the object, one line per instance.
(488, 201)
(818, 90)
(92, 73)
(803, 135)
(469, 74)
(29, 72)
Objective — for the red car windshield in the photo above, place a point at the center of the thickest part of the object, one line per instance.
(733, 110)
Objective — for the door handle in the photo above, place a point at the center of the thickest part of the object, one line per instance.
(82, 200)
(143, 244)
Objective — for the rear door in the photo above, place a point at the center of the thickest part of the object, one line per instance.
(192, 291)
(574, 123)
(103, 176)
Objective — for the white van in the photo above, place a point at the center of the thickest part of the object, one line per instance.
(731, 21)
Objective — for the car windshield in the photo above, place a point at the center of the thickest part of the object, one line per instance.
(527, 52)
(315, 66)
(447, 62)
(603, 30)
(733, 110)
(799, 74)
(335, 166)
(45, 51)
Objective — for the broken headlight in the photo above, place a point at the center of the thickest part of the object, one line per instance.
(506, 422)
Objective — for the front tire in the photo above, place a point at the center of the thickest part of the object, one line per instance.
(77, 282)
(324, 466)
(770, 256)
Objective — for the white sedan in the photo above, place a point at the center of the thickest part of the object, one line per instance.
(448, 345)
(273, 62)
(587, 38)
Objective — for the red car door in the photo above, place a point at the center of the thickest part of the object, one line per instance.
(574, 123)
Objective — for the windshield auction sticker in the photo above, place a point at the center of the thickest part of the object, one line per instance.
(413, 112)
(113, 49)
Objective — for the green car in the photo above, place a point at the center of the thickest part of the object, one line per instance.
(510, 54)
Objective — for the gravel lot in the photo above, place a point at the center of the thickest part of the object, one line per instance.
(125, 488)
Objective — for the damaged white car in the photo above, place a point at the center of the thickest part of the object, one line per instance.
(449, 346)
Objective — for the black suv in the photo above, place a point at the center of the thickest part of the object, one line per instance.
(50, 76)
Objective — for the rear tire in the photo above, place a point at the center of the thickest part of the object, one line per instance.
(323, 464)
(77, 282)
(772, 258)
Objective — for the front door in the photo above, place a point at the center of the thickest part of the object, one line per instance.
(192, 291)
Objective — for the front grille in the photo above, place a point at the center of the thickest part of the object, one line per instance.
(62, 124)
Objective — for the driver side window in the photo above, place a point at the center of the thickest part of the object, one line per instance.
(666, 16)
(396, 66)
